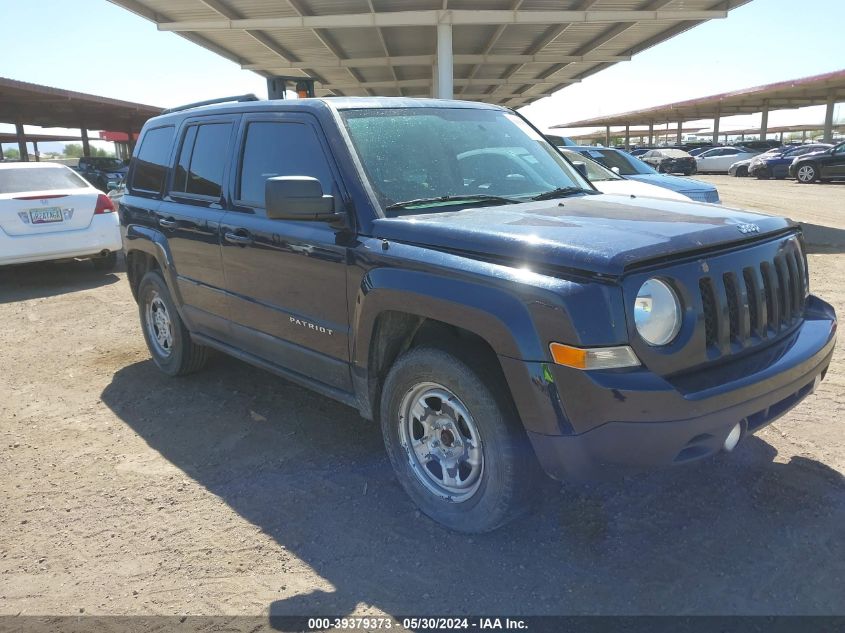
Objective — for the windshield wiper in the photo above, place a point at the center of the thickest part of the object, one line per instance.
(466, 198)
(560, 192)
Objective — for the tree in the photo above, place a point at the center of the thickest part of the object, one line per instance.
(12, 154)
(73, 150)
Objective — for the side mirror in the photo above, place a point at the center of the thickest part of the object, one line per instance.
(297, 198)
(616, 171)
(581, 167)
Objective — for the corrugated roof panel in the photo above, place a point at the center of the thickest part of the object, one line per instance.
(199, 22)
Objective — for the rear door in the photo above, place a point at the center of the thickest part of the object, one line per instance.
(189, 216)
(44, 199)
(286, 279)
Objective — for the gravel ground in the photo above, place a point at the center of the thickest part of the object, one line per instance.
(820, 207)
(234, 492)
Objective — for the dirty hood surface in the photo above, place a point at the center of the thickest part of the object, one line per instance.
(604, 234)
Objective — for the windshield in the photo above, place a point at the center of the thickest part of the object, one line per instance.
(106, 164)
(595, 171)
(437, 158)
(610, 158)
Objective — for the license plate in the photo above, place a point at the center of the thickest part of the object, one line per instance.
(44, 216)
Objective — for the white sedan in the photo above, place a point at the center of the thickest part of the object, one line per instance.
(48, 212)
(608, 181)
(720, 159)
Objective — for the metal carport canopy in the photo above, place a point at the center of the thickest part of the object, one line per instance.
(23, 103)
(828, 89)
(508, 52)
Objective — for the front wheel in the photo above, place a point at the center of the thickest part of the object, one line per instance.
(456, 445)
(807, 173)
(167, 338)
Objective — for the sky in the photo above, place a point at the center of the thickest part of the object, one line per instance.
(96, 47)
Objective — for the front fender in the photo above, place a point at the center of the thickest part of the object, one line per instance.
(498, 317)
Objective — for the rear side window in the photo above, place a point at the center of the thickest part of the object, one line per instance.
(202, 160)
(280, 149)
(151, 164)
(34, 179)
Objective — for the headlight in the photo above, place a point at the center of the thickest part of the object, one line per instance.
(657, 312)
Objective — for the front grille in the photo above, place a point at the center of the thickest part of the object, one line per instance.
(703, 195)
(745, 307)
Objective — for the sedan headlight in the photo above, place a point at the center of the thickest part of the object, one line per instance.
(657, 312)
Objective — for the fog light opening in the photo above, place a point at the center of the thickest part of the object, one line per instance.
(733, 437)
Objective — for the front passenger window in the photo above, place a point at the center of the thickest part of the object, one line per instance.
(275, 148)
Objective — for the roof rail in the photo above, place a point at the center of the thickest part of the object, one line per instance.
(237, 98)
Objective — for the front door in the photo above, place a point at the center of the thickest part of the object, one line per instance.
(286, 279)
(189, 216)
(834, 166)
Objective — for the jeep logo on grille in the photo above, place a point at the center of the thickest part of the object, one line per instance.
(748, 228)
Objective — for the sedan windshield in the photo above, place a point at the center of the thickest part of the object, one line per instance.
(424, 160)
(610, 158)
(595, 171)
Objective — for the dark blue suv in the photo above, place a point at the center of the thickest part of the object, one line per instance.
(440, 267)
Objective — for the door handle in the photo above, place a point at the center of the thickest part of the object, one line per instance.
(167, 224)
(240, 240)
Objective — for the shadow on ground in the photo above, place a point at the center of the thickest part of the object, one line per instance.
(50, 279)
(736, 534)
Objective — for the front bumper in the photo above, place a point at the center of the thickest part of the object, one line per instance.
(637, 420)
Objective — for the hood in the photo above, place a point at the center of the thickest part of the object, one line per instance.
(675, 183)
(629, 188)
(604, 234)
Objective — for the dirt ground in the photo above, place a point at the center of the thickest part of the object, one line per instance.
(234, 492)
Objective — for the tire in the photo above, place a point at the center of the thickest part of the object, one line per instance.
(806, 173)
(742, 172)
(106, 263)
(763, 174)
(168, 340)
(474, 422)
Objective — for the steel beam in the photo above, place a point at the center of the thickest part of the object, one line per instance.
(21, 141)
(436, 17)
(445, 65)
(828, 120)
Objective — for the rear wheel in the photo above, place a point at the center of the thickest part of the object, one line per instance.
(108, 262)
(807, 173)
(457, 447)
(167, 338)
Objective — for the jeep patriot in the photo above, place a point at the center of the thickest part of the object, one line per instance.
(442, 268)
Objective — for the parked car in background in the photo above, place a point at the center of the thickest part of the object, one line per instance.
(633, 168)
(670, 161)
(761, 145)
(559, 141)
(102, 171)
(720, 159)
(608, 181)
(695, 151)
(49, 212)
(776, 162)
(639, 151)
(826, 165)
